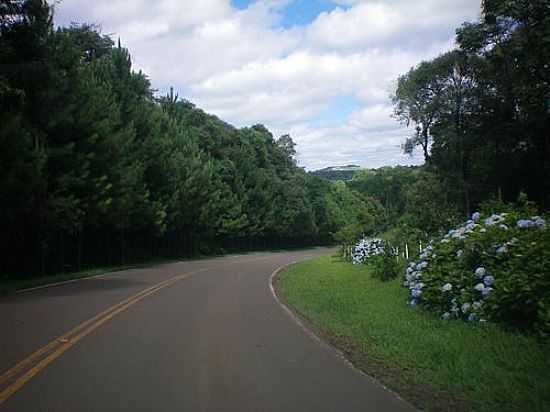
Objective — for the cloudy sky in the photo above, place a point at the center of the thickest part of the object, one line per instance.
(321, 70)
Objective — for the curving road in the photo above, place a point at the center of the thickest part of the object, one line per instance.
(203, 335)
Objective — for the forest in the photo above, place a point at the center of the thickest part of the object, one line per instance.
(98, 168)
(481, 112)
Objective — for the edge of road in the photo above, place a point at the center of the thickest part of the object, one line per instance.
(65, 282)
(121, 269)
(315, 334)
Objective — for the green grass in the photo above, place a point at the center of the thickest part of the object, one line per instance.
(437, 365)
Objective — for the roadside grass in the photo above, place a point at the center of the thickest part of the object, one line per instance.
(436, 365)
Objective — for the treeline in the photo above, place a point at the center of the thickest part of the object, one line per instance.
(482, 111)
(337, 173)
(95, 169)
(413, 203)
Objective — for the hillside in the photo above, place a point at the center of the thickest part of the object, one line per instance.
(337, 172)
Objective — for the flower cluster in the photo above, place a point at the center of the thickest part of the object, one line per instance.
(365, 249)
(535, 221)
(413, 275)
(468, 273)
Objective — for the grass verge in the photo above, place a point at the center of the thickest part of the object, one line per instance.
(436, 365)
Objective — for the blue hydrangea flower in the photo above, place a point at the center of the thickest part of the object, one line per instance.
(476, 216)
(502, 249)
(480, 272)
(416, 293)
(422, 266)
(446, 316)
(488, 280)
(485, 292)
(447, 287)
(494, 219)
(472, 317)
(465, 307)
(525, 223)
(539, 222)
(479, 287)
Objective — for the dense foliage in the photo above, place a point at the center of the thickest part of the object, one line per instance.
(337, 173)
(493, 267)
(481, 115)
(96, 169)
(481, 112)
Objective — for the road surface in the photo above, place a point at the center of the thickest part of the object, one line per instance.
(203, 335)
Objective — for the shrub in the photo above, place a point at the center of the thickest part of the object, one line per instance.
(365, 249)
(494, 267)
(385, 265)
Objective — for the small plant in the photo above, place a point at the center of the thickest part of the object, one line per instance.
(366, 249)
(385, 265)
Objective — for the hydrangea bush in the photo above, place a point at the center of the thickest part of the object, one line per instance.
(365, 249)
(493, 267)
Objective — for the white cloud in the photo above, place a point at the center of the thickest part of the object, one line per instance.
(243, 66)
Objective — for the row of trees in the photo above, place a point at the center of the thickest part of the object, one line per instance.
(413, 203)
(95, 169)
(482, 112)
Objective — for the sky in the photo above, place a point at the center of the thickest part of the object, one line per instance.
(320, 70)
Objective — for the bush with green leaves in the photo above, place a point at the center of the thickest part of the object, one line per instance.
(366, 249)
(385, 266)
(495, 267)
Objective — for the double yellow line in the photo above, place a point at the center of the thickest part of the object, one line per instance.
(15, 378)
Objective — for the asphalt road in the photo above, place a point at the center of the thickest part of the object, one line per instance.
(211, 339)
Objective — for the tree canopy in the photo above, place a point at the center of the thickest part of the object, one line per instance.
(98, 169)
(481, 112)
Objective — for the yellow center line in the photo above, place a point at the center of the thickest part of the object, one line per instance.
(61, 344)
(44, 356)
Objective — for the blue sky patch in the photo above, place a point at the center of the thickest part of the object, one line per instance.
(297, 12)
(337, 112)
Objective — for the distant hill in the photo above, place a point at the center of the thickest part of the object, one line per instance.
(337, 172)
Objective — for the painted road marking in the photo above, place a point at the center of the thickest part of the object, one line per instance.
(40, 359)
(16, 377)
